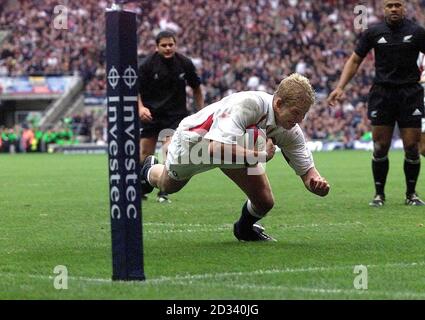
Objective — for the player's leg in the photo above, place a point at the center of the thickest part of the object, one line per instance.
(411, 138)
(162, 196)
(147, 148)
(158, 176)
(410, 121)
(422, 143)
(260, 202)
(382, 113)
(381, 136)
(168, 125)
(172, 176)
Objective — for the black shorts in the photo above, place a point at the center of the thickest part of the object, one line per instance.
(159, 123)
(404, 105)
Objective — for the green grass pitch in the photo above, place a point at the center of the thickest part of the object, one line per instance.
(54, 211)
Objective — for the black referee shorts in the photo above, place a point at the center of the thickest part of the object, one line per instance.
(159, 123)
(389, 104)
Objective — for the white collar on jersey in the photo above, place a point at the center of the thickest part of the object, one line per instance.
(271, 121)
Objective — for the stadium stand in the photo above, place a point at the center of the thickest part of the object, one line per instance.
(236, 45)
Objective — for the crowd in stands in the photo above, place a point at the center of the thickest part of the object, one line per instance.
(236, 45)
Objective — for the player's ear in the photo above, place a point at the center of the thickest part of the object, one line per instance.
(278, 103)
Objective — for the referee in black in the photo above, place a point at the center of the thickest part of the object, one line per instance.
(163, 77)
(395, 97)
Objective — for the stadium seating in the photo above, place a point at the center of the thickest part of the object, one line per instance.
(236, 45)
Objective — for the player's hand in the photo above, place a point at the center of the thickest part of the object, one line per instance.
(319, 186)
(270, 149)
(335, 96)
(145, 114)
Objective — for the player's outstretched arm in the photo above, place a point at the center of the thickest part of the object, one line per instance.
(315, 183)
(199, 98)
(238, 154)
(350, 69)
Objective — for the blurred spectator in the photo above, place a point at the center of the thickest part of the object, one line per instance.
(26, 138)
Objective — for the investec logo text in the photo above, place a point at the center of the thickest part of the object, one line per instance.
(129, 156)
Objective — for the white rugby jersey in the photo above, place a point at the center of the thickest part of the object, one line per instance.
(228, 119)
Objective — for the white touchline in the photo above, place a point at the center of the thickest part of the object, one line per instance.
(185, 230)
(180, 281)
(229, 274)
(313, 290)
(273, 271)
(213, 228)
(170, 224)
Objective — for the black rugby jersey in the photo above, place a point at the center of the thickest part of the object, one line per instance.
(396, 51)
(162, 83)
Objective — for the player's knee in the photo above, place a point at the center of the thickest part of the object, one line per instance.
(380, 150)
(411, 151)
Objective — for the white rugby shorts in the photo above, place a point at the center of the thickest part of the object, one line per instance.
(188, 155)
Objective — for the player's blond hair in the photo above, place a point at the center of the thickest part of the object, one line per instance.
(402, 1)
(296, 90)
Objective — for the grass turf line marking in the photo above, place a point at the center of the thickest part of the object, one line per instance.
(185, 230)
(214, 228)
(312, 290)
(273, 271)
(286, 226)
(228, 274)
(244, 287)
